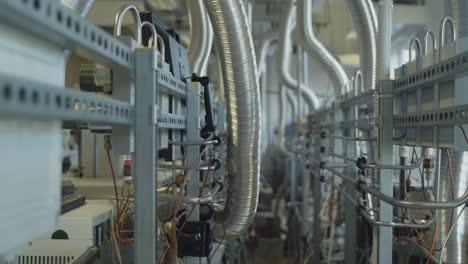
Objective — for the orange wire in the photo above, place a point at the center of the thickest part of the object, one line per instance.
(433, 243)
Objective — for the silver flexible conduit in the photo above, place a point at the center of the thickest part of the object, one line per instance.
(285, 50)
(236, 51)
(82, 7)
(364, 19)
(201, 37)
(314, 47)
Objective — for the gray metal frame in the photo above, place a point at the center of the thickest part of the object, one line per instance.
(57, 24)
(22, 98)
(145, 157)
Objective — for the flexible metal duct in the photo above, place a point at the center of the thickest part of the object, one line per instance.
(265, 42)
(236, 50)
(457, 248)
(459, 9)
(292, 100)
(384, 39)
(365, 29)
(201, 35)
(306, 34)
(82, 7)
(285, 48)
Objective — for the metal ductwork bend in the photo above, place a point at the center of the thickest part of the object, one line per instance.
(364, 20)
(82, 7)
(285, 48)
(201, 34)
(266, 40)
(314, 47)
(236, 50)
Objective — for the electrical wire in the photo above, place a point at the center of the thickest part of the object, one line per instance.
(433, 243)
(450, 233)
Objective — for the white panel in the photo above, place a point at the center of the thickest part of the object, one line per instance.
(30, 152)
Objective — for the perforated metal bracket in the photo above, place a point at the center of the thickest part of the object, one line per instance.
(170, 85)
(23, 98)
(57, 24)
(451, 116)
(171, 121)
(447, 69)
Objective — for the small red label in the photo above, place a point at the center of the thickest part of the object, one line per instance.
(128, 162)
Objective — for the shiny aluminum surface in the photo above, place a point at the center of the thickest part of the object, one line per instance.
(241, 90)
(364, 19)
(313, 45)
(82, 7)
(457, 245)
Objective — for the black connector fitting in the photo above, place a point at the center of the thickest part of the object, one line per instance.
(218, 140)
(360, 162)
(323, 149)
(322, 164)
(322, 178)
(323, 135)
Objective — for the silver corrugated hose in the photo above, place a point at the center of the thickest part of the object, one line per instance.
(264, 44)
(236, 50)
(457, 248)
(285, 48)
(365, 29)
(314, 47)
(82, 7)
(201, 37)
(292, 100)
(384, 39)
(459, 10)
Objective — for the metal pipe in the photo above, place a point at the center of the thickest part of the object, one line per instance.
(353, 138)
(185, 168)
(314, 47)
(265, 41)
(119, 19)
(285, 50)
(339, 165)
(191, 143)
(364, 21)
(428, 34)
(399, 225)
(236, 51)
(442, 35)
(415, 204)
(395, 167)
(417, 42)
(201, 37)
(292, 100)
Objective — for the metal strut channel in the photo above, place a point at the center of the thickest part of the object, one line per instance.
(57, 24)
(24, 98)
(450, 116)
(447, 69)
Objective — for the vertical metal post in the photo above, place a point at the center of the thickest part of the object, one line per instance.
(192, 152)
(299, 81)
(317, 193)
(350, 210)
(145, 156)
(385, 241)
(292, 179)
